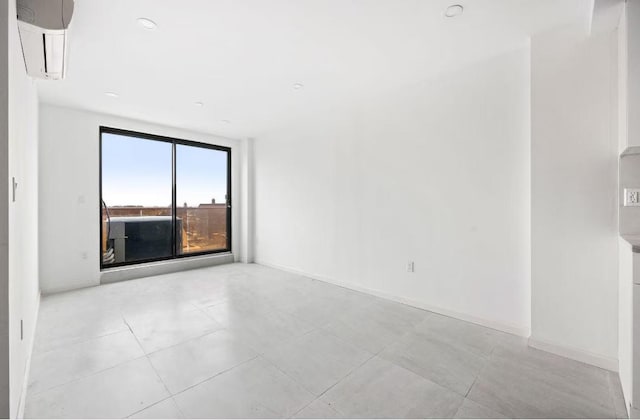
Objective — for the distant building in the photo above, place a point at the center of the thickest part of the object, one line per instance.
(212, 205)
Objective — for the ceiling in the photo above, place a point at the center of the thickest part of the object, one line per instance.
(241, 58)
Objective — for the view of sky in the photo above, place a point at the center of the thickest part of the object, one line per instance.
(138, 172)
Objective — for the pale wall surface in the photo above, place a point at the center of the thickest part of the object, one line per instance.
(574, 183)
(436, 173)
(24, 290)
(4, 217)
(69, 192)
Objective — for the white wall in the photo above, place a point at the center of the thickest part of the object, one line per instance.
(625, 321)
(629, 135)
(625, 254)
(69, 194)
(23, 213)
(633, 86)
(437, 173)
(574, 187)
(4, 217)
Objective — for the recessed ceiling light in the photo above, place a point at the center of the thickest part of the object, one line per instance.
(298, 86)
(199, 104)
(111, 94)
(453, 10)
(226, 121)
(147, 23)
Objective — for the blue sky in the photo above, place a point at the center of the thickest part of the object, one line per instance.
(138, 172)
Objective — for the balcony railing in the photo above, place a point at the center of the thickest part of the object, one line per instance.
(204, 228)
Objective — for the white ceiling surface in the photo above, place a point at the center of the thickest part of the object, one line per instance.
(242, 57)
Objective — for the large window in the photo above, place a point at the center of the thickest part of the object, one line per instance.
(161, 198)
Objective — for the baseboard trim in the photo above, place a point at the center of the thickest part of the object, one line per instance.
(600, 361)
(511, 329)
(27, 368)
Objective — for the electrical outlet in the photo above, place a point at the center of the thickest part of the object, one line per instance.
(631, 197)
(410, 267)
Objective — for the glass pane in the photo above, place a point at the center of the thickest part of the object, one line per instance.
(137, 194)
(201, 199)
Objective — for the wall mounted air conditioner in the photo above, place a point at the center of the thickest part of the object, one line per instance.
(42, 25)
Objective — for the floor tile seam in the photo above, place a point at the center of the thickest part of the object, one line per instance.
(160, 313)
(149, 361)
(326, 330)
(296, 413)
(269, 348)
(204, 307)
(72, 343)
(475, 379)
(134, 335)
(297, 318)
(86, 376)
(275, 309)
(206, 379)
(340, 339)
(395, 365)
(387, 346)
(170, 397)
(190, 302)
(471, 386)
(159, 378)
(345, 377)
(270, 311)
(214, 376)
(558, 394)
(430, 380)
(292, 378)
(187, 341)
(493, 409)
(323, 402)
(384, 347)
(485, 406)
(75, 343)
(565, 390)
(206, 315)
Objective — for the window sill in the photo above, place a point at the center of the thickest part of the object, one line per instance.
(116, 274)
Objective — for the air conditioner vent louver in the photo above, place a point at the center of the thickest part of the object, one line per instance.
(26, 14)
(43, 33)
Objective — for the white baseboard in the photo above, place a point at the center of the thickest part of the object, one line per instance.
(600, 361)
(27, 368)
(511, 329)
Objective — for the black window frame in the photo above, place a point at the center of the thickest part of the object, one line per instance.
(174, 142)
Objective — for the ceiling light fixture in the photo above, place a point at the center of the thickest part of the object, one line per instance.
(298, 86)
(200, 104)
(226, 121)
(147, 23)
(454, 10)
(111, 94)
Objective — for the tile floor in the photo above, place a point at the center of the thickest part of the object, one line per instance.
(249, 341)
